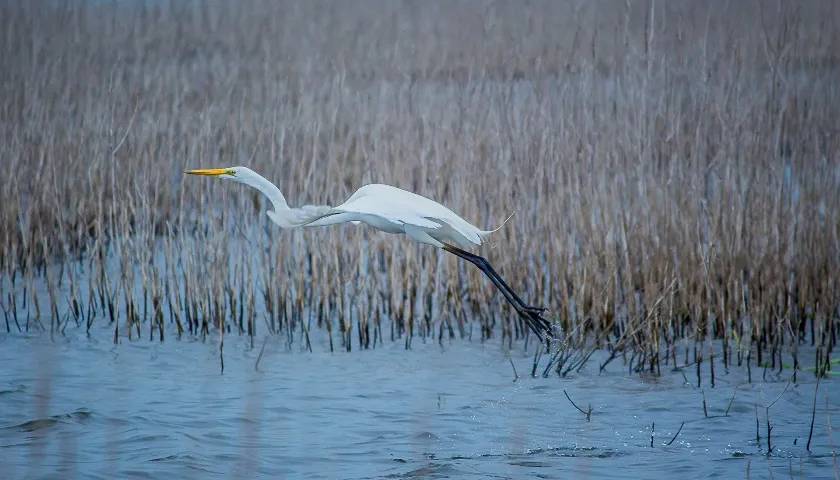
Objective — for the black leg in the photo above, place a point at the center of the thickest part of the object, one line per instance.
(497, 279)
(531, 315)
(487, 268)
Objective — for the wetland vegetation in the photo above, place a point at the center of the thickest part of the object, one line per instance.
(673, 168)
(673, 171)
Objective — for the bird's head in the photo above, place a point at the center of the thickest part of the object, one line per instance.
(246, 176)
(237, 174)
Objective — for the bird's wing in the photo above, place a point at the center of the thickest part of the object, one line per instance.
(406, 208)
(391, 204)
(368, 212)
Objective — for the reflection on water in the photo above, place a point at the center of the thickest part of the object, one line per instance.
(85, 407)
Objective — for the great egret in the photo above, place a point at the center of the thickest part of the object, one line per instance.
(391, 210)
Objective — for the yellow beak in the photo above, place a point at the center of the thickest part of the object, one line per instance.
(210, 172)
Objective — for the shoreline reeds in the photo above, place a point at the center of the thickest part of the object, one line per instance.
(674, 170)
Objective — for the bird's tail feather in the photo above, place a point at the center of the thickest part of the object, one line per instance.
(488, 232)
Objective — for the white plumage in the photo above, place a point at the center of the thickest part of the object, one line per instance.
(396, 210)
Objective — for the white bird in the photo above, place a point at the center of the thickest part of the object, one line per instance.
(392, 210)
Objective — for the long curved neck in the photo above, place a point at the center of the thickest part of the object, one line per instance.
(283, 215)
(278, 201)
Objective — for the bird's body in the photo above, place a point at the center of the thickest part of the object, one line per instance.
(392, 210)
(395, 210)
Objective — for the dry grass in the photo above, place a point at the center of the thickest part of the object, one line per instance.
(674, 169)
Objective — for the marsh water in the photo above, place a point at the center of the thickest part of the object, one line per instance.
(80, 407)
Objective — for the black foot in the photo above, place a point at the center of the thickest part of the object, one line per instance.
(535, 321)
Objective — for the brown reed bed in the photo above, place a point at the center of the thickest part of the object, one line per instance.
(674, 169)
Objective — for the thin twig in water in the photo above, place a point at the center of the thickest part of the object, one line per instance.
(222, 353)
(587, 413)
(813, 413)
(769, 429)
(652, 432)
(779, 396)
(537, 356)
(684, 377)
(515, 375)
(259, 357)
(726, 413)
(767, 417)
(675, 435)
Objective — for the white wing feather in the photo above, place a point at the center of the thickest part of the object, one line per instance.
(401, 207)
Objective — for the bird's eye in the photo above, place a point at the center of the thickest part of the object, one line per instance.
(231, 172)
